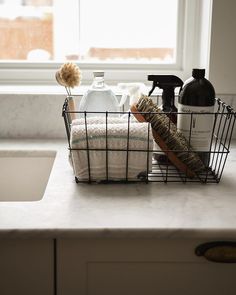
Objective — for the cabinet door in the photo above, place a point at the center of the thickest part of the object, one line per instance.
(26, 267)
(138, 267)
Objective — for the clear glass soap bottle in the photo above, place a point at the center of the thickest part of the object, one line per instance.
(99, 97)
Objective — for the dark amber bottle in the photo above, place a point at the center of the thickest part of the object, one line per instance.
(196, 113)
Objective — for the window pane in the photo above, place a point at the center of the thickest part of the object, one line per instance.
(26, 30)
(89, 30)
(128, 30)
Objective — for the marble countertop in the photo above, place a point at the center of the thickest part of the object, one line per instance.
(154, 210)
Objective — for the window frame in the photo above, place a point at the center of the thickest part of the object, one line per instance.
(43, 73)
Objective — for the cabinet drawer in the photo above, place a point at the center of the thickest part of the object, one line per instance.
(136, 266)
(165, 278)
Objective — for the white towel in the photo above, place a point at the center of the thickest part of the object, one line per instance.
(102, 120)
(111, 164)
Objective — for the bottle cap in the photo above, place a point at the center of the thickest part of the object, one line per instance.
(98, 73)
(198, 73)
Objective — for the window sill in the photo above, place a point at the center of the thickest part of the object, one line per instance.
(38, 89)
(44, 73)
(55, 90)
(45, 89)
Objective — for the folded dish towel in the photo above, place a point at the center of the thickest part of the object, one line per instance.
(102, 120)
(112, 164)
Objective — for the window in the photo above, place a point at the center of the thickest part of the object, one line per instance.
(26, 30)
(124, 31)
(133, 37)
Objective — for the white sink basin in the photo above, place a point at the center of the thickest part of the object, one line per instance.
(24, 174)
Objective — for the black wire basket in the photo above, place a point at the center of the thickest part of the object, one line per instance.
(100, 154)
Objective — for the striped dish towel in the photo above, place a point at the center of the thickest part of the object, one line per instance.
(115, 163)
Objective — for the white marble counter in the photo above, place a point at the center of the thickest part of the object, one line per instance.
(173, 210)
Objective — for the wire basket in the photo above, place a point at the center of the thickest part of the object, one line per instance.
(121, 158)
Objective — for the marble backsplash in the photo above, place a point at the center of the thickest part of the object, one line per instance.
(40, 116)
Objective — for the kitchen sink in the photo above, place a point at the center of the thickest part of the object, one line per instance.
(24, 174)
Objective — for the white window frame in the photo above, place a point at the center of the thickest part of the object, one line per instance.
(43, 73)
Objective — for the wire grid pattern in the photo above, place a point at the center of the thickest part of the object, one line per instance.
(162, 171)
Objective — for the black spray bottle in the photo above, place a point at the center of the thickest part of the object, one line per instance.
(167, 83)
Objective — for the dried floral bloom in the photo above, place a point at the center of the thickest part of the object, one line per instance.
(69, 75)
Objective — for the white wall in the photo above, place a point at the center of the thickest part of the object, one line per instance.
(222, 61)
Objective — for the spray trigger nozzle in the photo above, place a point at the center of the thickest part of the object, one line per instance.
(131, 90)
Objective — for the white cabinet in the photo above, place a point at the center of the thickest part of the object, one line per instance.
(110, 267)
(134, 266)
(26, 267)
